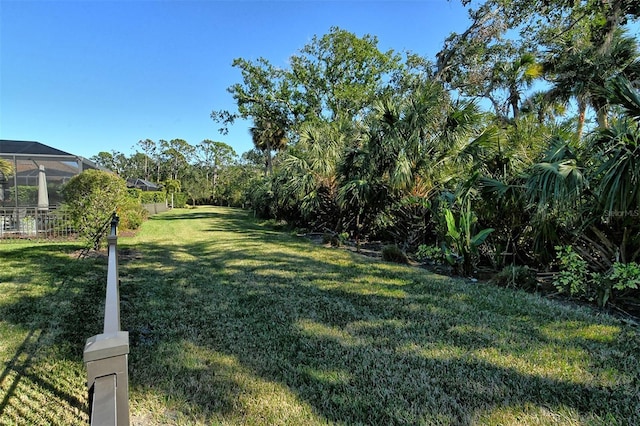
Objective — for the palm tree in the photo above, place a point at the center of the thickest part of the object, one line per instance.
(407, 135)
(544, 108)
(579, 70)
(612, 232)
(619, 172)
(516, 75)
(310, 171)
(268, 136)
(6, 167)
(362, 193)
(589, 195)
(503, 157)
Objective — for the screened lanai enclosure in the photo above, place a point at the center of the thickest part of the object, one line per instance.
(30, 188)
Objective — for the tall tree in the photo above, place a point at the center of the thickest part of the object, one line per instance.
(268, 136)
(177, 153)
(135, 166)
(266, 93)
(114, 161)
(619, 173)
(578, 68)
(150, 149)
(213, 156)
(338, 74)
(502, 30)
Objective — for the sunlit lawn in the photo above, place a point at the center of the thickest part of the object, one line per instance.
(46, 313)
(234, 323)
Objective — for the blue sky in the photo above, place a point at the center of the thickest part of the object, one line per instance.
(87, 76)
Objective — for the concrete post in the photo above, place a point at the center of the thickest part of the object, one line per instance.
(107, 355)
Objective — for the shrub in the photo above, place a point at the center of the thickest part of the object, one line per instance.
(338, 240)
(27, 195)
(573, 275)
(149, 197)
(516, 276)
(90, 199)
(430, 253)
(131, 214)
(575, 278)
(180, 200)
(278, 225)
(625, 276)
(135, 193)
(621, 277)
(392, 253)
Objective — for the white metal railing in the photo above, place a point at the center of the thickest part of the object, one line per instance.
(106, 355)
(30, 222)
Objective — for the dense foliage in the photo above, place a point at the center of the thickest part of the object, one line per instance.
(92, 197)
(519, 140)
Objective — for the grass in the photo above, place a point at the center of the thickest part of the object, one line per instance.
(46, 313)
(234, 323)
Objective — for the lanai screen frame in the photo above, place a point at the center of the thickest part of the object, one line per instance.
(58, 168)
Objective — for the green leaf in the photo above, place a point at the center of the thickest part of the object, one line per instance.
(479, 238)
(452, 229)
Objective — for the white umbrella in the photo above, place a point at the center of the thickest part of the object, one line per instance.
(43, 193)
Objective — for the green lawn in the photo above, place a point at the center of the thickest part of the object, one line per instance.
(234, 323)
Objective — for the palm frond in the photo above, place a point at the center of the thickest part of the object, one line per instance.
(619, 188)
(620, 91)
(555, 184)
(6, 167)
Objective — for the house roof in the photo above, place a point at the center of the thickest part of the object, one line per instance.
(31, 150)
(29, 147)
(136, 183)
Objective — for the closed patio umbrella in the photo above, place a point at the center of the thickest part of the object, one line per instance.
(43, 193)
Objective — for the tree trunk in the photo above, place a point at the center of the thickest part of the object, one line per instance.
(582, 109)
(603, 118)
(268, 169)
(358, 233)
(514, 98)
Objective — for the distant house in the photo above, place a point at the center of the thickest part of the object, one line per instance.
(33, 161)
(143, 184)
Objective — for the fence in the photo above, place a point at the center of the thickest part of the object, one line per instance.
(155, 208)
(29, 222)
(106, 355)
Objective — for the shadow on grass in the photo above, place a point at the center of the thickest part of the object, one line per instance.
(360, 342)
(49, 306)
